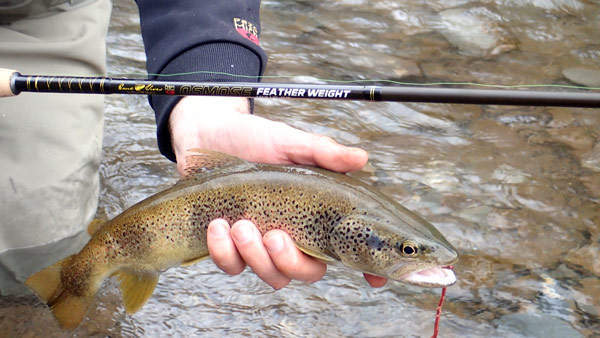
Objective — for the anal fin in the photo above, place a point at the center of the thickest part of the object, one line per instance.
(136, 288)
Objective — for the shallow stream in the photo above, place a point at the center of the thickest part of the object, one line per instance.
(515, 189)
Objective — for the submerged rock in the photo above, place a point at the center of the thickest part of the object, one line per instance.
(583, 76)
(568, 6)
(474, 32)
(587, 257)
(510, 175)
(591, 159)
(531, 325)
(576, 137)
(592, 184)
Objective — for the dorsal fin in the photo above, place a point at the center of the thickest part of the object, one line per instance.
(95, 225)
(201, 160)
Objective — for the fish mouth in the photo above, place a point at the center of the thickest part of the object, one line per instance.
(433, 277)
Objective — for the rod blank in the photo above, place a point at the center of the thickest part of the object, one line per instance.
(12, 83)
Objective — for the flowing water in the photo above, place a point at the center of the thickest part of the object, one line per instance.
(515, 189)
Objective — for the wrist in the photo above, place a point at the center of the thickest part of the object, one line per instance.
(200, 121)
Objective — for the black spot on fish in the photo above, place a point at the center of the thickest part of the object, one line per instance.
(375, 242)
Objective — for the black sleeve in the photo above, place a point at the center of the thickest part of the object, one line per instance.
(184, 36)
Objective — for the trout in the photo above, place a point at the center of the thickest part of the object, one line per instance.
(330, 216)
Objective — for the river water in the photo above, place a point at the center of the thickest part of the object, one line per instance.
(515, 189)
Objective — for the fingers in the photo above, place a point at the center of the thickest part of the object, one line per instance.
(248, 241)
(375, 281)
(324, 152)
(331, 155)
(291, 261)
(276, 262)
(222, 249)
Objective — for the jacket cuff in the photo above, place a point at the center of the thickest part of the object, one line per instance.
(221, 58)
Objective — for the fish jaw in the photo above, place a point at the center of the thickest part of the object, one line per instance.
(437, 273)
(432, 277)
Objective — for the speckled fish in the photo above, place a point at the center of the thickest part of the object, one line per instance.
(329, 215)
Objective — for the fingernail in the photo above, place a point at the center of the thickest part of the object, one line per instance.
(243, 233)
(274, 243)
(217, 229)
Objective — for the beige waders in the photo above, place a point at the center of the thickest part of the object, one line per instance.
(50, 144)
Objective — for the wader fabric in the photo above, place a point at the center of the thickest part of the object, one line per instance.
(50, 144)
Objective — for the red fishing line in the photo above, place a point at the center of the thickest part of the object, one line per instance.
(438, 312)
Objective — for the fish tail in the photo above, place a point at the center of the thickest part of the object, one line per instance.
(68, 309)
(47, 283)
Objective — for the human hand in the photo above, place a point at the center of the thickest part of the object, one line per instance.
(225, 125)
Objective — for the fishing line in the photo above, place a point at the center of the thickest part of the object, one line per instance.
(402, 83)
(438, 314)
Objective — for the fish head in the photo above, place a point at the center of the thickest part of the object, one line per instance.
(395, 248)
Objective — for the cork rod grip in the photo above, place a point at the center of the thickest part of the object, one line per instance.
(5, 79)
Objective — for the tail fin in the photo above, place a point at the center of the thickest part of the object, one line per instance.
(46, 283)
(67, 308)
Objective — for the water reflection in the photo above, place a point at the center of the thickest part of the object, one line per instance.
(515, 189)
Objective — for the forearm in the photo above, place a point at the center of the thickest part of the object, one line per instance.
(200, 41)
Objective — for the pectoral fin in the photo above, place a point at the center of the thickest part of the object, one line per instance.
(194, 261)
(136, 288)
(316, 254)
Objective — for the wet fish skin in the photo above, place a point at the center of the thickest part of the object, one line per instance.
(329, 215)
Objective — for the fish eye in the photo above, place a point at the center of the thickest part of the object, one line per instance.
(409, 248)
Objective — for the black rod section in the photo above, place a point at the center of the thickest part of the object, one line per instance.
(105, 85)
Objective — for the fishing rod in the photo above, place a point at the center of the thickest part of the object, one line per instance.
(12, 83)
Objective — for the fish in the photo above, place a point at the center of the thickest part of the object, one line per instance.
(330, 216)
